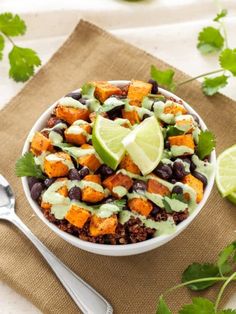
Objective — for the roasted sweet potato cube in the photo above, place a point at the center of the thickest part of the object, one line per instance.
(118, 179)
(77, 216)
(196, 184)
(141, 206)
(54, 165)
(40, 144)
(45, 205)
(175, 109)
(182, 140)
(91, 195)
(86, 146)
(93, 178)
(77, 137)
(90, 161)
(128, 164)
(137, 91)
(131, 115)
(104, 90)
(63, 191)
(153, 186)
(71, 114)
(100, 226)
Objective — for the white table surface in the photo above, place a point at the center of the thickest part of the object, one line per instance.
(154, 25)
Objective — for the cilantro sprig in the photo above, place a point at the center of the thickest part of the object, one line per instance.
(23, 61)
(211, 39)
(26, 167)
(198, 277)
(206, 144)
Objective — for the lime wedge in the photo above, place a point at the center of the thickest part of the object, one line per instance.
(226, 171)
(232, 197)
(145, 145)
(106, 138)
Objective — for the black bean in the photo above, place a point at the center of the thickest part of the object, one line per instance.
(59, 131)
(110, 199)
(90, 142)
(48, 182)
(145, 116)
(36, 190)
(83, 101)
(163, 171)
(167, 145)
(75, 193)
(173, 181)
(154, 86)
(116, 112)
(83, 172)
(105, 171)
(74, 174)
(156, 209)
(32, 181)
(192, 166)
(177, 190)
(187, 160)
(200, 177)
(139, 186)
(178, 170)
(75, 95)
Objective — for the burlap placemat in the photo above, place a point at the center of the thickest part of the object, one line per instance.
(131, 284)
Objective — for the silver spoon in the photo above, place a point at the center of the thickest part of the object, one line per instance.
(85, 297)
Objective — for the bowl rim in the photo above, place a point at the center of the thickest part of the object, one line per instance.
(126, 248)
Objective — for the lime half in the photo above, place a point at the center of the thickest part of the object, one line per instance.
(106, 138)
(145, 145)
(232, 197)
(226, 171)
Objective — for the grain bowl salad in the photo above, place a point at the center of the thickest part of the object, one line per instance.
(117, 164)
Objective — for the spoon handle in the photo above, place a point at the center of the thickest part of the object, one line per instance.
(85, 297)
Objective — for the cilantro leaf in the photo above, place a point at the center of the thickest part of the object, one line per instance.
(2, 43)
(198, 271)
(88, 90)
(26, 167)
(162, 307)
(224, 258)
(199, 305)
(164, 78)
(228, 311)
(211, 86)
(220, 15)
(167, 206)
(210, 40)
(119, 203)
(12, 25)
(23, 62)
(172, 131)
(206, 143)
(179, 197)
(228, 60)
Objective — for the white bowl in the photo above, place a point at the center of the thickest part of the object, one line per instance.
(116, 250)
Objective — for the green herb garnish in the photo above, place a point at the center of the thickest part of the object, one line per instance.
(23, 61)
(26, 167)
(206, 144)
(199, 277)
(210, 40)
